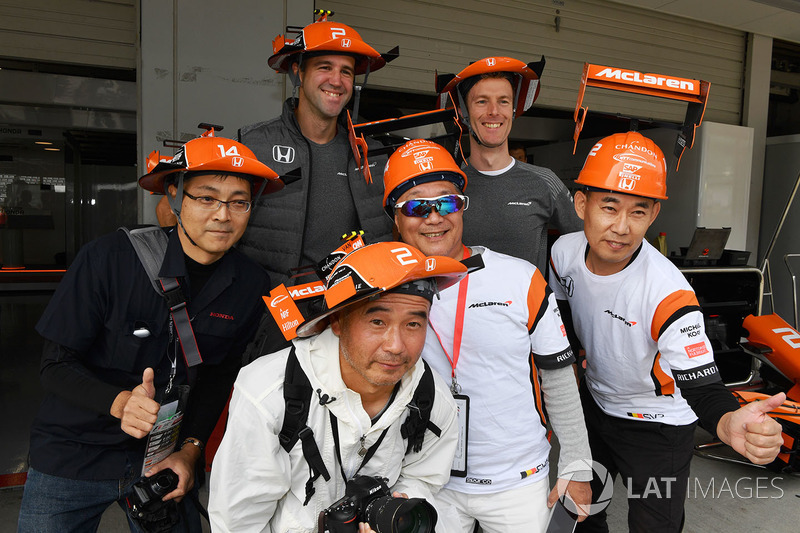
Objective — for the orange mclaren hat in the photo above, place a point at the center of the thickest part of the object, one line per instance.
(369, 271)
(628, 163)
(526, 74)
(210, 154)
(417, 162)
(325, 37)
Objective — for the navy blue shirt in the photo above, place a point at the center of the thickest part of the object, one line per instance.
(105, 296)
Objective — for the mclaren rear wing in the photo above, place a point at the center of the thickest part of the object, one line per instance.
(357, 134)
(695, 92)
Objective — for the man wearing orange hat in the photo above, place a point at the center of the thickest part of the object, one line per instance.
(302, 224)
(361, 358)
(650, 371)
(498, 339)
(120, 357)
(521, 200)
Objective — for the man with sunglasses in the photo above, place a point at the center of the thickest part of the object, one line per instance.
(116, 351)
(497, 338)
(520, 199)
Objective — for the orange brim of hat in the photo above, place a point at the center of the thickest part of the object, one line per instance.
(446, 271)
(250, 169)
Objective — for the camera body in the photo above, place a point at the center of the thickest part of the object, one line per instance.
(368, 499)
(146, 507)
(148, 491)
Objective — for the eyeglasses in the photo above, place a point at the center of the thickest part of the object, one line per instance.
(212, 204)
(444, 205)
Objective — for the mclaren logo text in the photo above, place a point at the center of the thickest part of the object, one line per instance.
(620, 318)
(489, 304)
(653, 80)
(307, 291)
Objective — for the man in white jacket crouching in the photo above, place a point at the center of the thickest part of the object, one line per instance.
(361, 360)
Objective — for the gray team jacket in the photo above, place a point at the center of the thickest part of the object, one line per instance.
(274, 236)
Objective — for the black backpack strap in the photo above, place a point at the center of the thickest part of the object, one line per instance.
(150, 244)
(419, 416)
(297, 394)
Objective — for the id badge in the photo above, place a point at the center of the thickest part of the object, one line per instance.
(459, 468)
(164, 435)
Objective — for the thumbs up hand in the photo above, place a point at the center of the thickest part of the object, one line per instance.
(136, 409)
(751, 432)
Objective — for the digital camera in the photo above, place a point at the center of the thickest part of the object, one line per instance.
(368, 499)
(145, 506)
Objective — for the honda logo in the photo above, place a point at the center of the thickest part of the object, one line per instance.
(237, 161)
(490, 61)
(430, 264)
(425, 165)
(626, 184)
(346, 43)
(282, 154)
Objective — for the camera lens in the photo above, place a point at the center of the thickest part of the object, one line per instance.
(164, 482)
(400, 515)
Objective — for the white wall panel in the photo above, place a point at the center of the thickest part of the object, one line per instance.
(85, 32)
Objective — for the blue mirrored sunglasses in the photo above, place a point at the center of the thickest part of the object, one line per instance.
(444, 205)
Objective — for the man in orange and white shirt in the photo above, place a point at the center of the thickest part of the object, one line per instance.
(650, 370)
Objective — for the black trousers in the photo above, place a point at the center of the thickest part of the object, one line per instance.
(653, 460)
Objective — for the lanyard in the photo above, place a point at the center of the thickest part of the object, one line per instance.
(363, 452)
(458, 329)
(172, 355)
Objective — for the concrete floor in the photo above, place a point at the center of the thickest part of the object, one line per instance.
(722, 497)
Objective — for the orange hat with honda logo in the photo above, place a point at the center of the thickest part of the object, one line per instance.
(417, 162)
(369, 271)
(628, 163)
(325, 37)
(209, 154)
(526, 75)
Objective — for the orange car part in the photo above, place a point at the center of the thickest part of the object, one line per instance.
(783, 343)
(695, 92)
(357, 132)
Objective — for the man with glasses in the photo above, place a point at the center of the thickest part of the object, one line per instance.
(116, 351)
(498, 339)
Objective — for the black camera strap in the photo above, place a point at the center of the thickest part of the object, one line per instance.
(367, 456)
(298, 395)
(150, 244)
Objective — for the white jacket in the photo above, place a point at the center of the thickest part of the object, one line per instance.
(257, 486)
